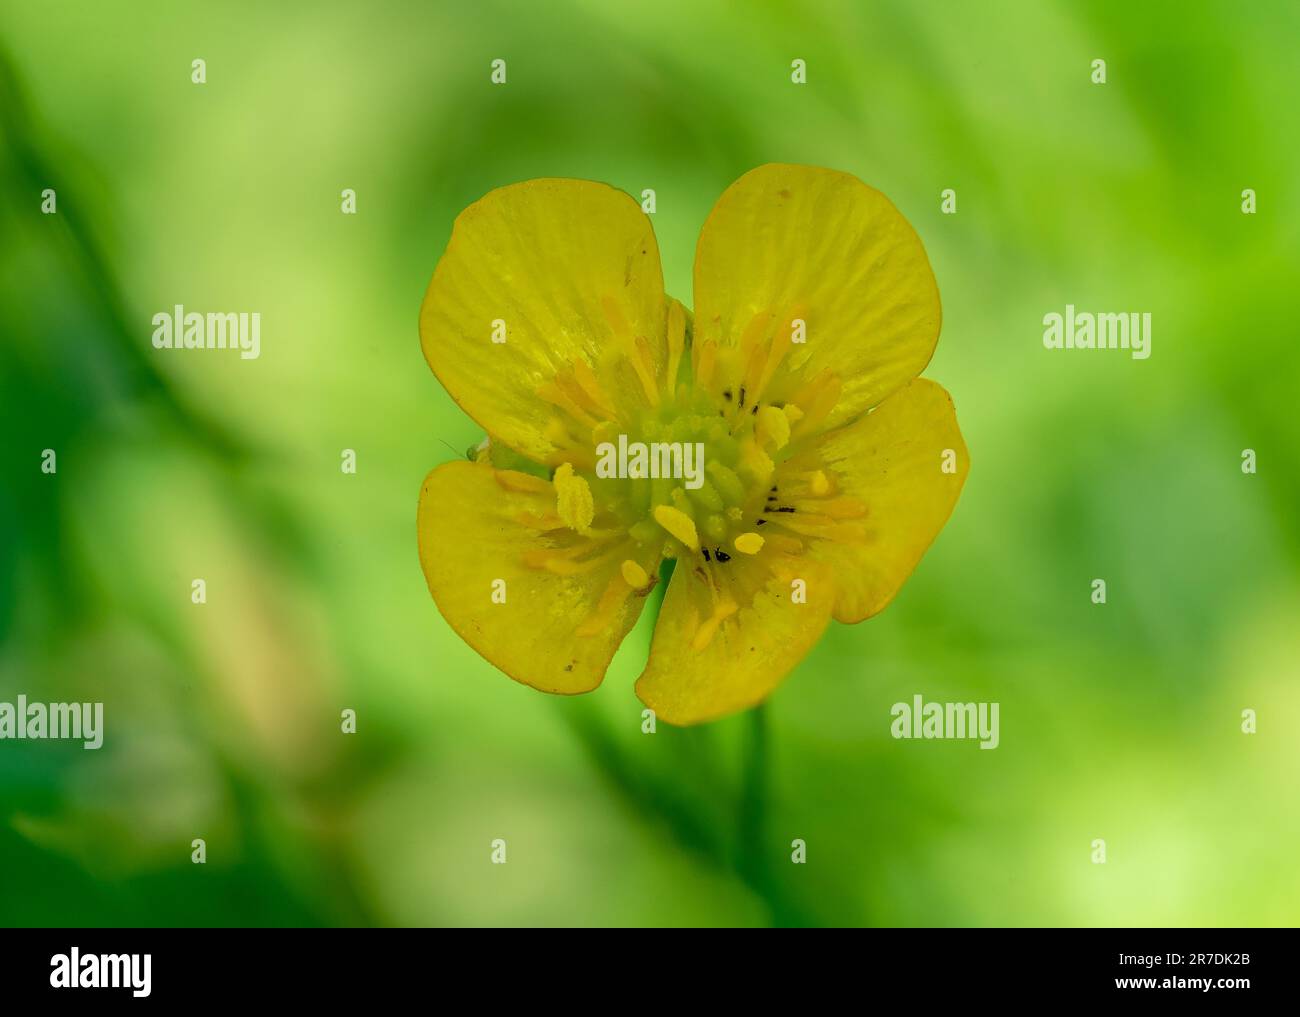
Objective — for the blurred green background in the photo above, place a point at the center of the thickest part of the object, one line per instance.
(1119, 722)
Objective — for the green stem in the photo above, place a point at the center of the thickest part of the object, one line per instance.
(751, 828)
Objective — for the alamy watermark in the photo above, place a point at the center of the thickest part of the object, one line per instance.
(189, 330)
(919, 719)
(1084, 330)
(34, 721)
(657, 460)
(75, 970)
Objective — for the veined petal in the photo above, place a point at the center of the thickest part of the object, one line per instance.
(888, 483)
(566, 604)
(788, 244)
(727, 635)
(567, 274)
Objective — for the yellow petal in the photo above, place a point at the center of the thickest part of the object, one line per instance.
(719, 650)
(478, 525)
(891, 463)
(798, 242)
(570, 271)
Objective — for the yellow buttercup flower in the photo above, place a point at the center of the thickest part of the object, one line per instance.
(778, 444)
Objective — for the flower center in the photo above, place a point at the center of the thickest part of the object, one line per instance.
(692, 472)
(677, 472)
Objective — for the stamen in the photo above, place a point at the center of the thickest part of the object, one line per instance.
(679, 524)
(574, 502)
(634, 575)
(772, 427)
(748, 543)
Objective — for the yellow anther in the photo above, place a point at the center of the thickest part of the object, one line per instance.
(679, 524)
(819, 483)
(772, 427)
(635, 575)
(749, 543)
(573, 499)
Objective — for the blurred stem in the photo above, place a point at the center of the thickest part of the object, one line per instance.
(664, 796)
(751, 826)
